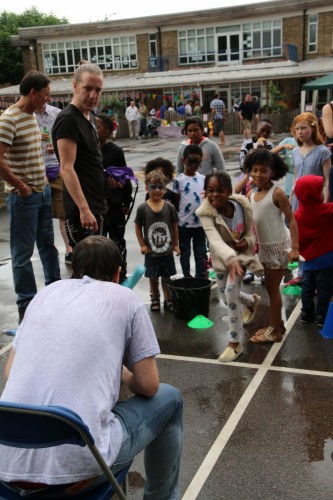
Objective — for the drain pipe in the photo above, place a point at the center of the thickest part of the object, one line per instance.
(159, 37)
(304, 34)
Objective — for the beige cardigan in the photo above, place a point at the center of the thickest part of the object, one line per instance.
(221, 241)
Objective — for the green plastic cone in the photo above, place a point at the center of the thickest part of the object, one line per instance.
(200, 322)
(293, 265)
(292, 290)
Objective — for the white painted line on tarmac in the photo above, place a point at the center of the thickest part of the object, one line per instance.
(215, 451)
(6, 348)
(218, 446)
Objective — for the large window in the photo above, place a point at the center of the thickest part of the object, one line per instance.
(262, 39)
(204, 45)
(107, 53)
(196, 46)
(313, 33)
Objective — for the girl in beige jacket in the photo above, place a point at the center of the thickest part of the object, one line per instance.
(228, 224)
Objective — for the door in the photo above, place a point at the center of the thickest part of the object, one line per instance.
(228, 48)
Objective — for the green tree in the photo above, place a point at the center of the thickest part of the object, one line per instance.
(276, 99)
(116, 104)
(11, 67)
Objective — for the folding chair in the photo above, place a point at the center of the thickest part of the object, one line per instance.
(33, 426)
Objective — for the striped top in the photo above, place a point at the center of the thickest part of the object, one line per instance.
(20, 131)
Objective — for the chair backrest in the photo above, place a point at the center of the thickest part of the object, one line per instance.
(34, 426)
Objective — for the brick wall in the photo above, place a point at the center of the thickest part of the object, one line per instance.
(325, 41)
(170, 48)
(293, 33)
(143, 52)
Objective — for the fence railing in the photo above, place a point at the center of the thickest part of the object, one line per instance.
(233, 125)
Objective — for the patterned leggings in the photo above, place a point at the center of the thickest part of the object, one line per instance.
(234, 299)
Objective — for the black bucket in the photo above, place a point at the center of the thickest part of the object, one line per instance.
(190, 297)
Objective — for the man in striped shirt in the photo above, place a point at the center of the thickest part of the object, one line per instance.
(28, 194)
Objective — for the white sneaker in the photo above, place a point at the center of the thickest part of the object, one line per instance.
(231, 353)
(249, 312)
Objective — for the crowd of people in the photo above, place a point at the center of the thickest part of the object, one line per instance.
(65, 165)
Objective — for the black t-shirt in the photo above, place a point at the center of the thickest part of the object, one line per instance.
(248, 109)
(71, 124)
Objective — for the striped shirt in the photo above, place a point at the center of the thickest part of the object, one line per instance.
(21, 133)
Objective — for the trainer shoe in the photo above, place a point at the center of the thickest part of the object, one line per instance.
(249, 312)
(321, 321)
(308, 318)
(231, 353)
(248, 278)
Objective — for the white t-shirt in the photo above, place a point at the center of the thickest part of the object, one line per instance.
(69, 351)
(190, 189)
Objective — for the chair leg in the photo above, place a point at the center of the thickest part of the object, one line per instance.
(126, 485)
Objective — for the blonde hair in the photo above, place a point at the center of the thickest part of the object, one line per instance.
(86, 67)
(311, 119)
(156, 176)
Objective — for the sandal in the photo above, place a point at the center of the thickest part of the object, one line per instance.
(282, 330)
(155, 305)
(168, 305)
(268, 335)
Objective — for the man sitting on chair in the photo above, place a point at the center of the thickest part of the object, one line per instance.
(78, 358)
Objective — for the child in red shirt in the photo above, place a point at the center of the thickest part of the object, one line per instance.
(315, 219)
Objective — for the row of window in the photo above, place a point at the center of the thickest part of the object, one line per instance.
(202, 45)
(108, 53)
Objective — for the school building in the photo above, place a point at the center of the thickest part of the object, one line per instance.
(178, 57)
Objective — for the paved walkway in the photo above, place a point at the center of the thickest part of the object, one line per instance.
(257, 428)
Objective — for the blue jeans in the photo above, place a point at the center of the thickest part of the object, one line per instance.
(154, 425)
(31, 222)
(322, 281)
(197, 234)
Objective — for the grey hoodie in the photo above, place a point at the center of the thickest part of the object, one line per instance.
(211, 157)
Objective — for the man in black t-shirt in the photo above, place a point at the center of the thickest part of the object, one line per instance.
(76, 145)
(246, 111)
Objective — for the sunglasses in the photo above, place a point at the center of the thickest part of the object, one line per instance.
(153, 187)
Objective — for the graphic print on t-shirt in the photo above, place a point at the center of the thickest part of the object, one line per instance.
(159, 237)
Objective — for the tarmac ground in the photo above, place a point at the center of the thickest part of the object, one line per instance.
(257, 428)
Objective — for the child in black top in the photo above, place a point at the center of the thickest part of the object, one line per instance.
(119, 194)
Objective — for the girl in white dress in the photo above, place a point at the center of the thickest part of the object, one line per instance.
(270, 209)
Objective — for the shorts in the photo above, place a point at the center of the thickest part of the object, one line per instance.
(57, 204)
(274, 255)
(218, 126)
(159, 266)
(247, 124)
(75, 232)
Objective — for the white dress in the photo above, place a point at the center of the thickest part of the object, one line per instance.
(272, 233)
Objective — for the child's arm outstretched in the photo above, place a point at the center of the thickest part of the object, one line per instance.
(143, 247)
(235, 269)
(175, 238)
(281, 201)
